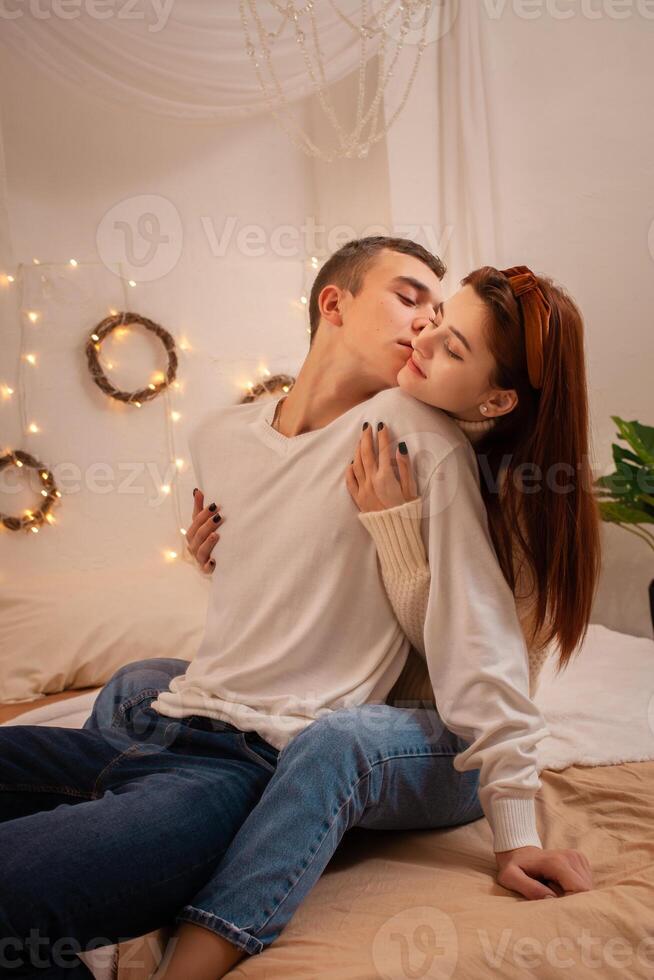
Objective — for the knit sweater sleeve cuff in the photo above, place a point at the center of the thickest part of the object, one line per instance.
(396, 533)
(513, 822)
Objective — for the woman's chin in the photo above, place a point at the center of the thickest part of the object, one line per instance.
(422, 393)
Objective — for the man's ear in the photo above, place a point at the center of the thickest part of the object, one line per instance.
(329, 303)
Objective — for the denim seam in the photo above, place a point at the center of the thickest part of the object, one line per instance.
(132, 750)
(353, 787)
(254, 755)
(43, 788)
(227, 930)
(124, 706)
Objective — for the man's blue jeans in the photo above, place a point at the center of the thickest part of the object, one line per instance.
(375, 766)
(105, 834)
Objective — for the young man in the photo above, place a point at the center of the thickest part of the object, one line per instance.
(298, 626)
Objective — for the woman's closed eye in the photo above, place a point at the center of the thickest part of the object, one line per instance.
(451, 352)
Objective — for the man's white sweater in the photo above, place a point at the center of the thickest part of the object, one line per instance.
(299, 622)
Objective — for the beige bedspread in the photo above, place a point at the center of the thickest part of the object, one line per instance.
(425, 904)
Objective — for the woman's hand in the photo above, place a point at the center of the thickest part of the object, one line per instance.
(202, 535)
(373, 483)
(529, 871)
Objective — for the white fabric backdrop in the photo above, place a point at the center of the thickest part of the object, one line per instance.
(188, 60)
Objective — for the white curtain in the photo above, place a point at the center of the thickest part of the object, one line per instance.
(180, 58)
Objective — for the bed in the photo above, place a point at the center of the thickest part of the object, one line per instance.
(426, 904)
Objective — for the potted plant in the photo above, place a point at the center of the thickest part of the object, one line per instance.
(626, 497)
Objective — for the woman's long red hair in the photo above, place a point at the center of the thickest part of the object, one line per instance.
(554, 531)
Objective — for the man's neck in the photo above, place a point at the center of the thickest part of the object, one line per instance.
(321, 395)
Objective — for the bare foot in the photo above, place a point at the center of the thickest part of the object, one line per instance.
(196, 953)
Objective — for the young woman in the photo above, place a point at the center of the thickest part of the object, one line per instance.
(505, 359)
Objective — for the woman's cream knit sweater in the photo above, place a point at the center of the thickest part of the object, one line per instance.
(406, 575)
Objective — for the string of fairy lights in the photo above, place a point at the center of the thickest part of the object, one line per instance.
(119, 324)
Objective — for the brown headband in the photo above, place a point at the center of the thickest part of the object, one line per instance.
(536, 317)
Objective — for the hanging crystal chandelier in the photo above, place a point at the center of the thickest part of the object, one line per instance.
(382, 28)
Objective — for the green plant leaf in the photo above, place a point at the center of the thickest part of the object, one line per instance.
(621, 513)
(639, 437)
(620, 454)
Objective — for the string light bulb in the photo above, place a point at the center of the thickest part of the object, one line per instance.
(7, 392)
(131, 283)
(36, 261)
(165, 488)
(73, 262)
(32, 316)
(179, 463)
(170, 555)
(30, 358)
(9, 279)
(175, 416)
(33, 427)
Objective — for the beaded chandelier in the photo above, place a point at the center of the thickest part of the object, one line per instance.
(383, 27)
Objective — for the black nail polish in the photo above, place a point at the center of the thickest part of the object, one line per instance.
(403, 448)
(212, 562)
(380, 426)
(365, 425)
(216, 518)
(195, 490)
(212, 507)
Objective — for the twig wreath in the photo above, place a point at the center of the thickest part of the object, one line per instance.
(102, 331)
(273, 384)
(33, 518)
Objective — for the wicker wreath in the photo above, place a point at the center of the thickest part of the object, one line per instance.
(273, 384)
(107, 326)
(33, 518)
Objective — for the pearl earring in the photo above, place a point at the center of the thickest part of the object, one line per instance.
(483, 408)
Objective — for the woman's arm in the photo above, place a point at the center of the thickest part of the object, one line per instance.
(405, 571)
(475, 650)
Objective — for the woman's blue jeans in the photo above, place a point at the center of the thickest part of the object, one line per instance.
(375, 766)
